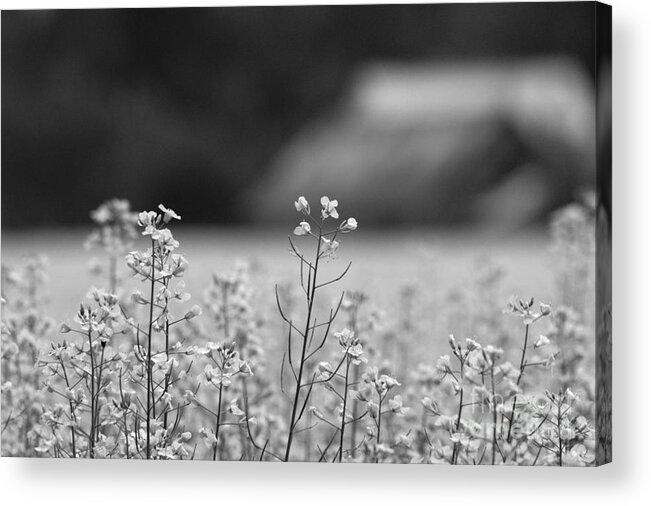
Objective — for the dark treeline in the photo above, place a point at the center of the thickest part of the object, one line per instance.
(187, 106)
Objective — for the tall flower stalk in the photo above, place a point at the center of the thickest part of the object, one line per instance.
(158, 266)
(115, 232)
(325, 248)
(524, 310)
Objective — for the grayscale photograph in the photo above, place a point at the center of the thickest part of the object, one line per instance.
(335, 234)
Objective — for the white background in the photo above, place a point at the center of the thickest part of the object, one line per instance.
(627, 480)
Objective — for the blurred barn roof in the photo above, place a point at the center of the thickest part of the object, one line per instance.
(499, 142)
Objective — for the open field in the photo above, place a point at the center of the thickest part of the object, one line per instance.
(435, 261)
(217, 382)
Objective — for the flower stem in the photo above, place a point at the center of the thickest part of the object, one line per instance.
(379, 429)
(217, 421)
(343, 414)
(494, 399)
(149, 334)
(91, 437)
(522, 365)
(310, 297)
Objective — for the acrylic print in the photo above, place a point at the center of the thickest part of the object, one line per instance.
(332, 234)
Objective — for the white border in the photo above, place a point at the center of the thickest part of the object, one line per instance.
(48, 482)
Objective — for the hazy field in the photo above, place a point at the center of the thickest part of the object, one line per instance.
(383, 261)
(422, 286)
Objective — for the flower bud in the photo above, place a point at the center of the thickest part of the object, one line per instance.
(542, 341)
(373, 409)
(193, 313)
(138, 298)
(349, 225)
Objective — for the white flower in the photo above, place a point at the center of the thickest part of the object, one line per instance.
(138, 298)
(430, 405)
(303, 228)
(396, 405)
(493, 352)
(208, 437)
(328, 247)
(345, 337)
(302, 205)
(234, 409)
(405, 439)
(443, 363)
(180, 294)
(542, 341)
(460, 438)
(472, 345)
(165, 239)
(329, 208)
(168, 214)
(567, 433)
(349, 225)
(146, 218)
(193, 313)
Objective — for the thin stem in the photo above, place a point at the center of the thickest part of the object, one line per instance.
(72, 410)
(126, 433)
(310, 302)
(494, 399)
(455, 451)
(245, 402)
(91, 439)
(559, 415)
(343, 414)
(99, 387)
(124, 416)
(167, 358)
(149, 334)
(353, 429)
(522, 367)
(379, 428)
(217, 424)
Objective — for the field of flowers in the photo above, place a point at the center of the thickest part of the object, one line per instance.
(337, 345)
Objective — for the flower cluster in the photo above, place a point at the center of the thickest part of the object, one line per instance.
(119, 384)
(224, 366)
(115, 232)
(129, 379)
(115, 227)
(562, 433)
(24, 329)
(524, 309)
(327, 239)
(493, 418)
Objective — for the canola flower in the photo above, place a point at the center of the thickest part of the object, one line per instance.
(143, 372)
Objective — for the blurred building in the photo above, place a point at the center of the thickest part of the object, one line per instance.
(212, 109)
(496, 142)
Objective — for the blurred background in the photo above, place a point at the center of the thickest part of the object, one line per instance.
(451, 132)
(422, 114)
